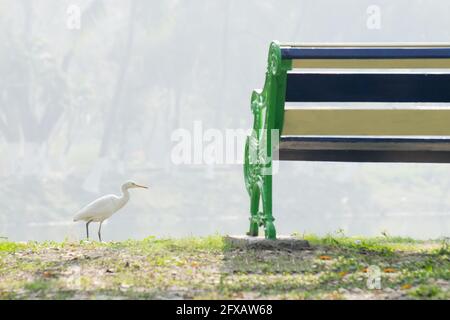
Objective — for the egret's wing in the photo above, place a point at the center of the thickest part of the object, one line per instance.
(100, 207)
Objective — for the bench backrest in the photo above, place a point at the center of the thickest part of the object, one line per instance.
(375, 97)
(385, 81)
(367, 74)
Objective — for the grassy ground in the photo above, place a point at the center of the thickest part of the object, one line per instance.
(335, 267)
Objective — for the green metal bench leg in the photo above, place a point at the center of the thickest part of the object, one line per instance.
(269, 227)
(254, 210)
(268, 110)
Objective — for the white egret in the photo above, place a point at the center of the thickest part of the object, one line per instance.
(104, 207)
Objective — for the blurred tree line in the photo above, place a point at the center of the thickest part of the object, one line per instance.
(81, 106)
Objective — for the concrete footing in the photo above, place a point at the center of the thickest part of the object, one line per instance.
(281, 243)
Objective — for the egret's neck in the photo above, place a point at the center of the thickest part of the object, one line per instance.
(125, 195)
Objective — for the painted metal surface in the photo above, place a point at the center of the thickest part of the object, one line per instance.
(268, 110)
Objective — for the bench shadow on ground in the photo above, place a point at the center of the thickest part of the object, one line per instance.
(323, 270)
(261, 255)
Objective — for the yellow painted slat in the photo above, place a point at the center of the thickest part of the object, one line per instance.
(361, 122)
(371, 63)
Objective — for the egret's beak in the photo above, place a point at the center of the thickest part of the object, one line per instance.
(139, 186)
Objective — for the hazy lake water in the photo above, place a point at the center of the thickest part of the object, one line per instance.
(194, 201)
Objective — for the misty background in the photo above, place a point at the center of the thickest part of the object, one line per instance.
(83, 110)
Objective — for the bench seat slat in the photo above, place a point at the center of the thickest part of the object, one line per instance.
(362, 149)
(368, 87)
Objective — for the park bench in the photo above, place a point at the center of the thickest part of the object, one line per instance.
(351, 103)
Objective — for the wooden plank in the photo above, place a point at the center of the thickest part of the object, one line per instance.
(406, 45)
(371, 63)
(365, 156)
(366, 122)
(368, 87)
(365, 52)
(360, 149)
(365, 143)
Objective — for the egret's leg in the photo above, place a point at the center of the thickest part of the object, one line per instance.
(87, 228)
(100, 231)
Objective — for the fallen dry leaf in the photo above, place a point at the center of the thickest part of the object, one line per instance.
(325, 258)
(406, 286)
